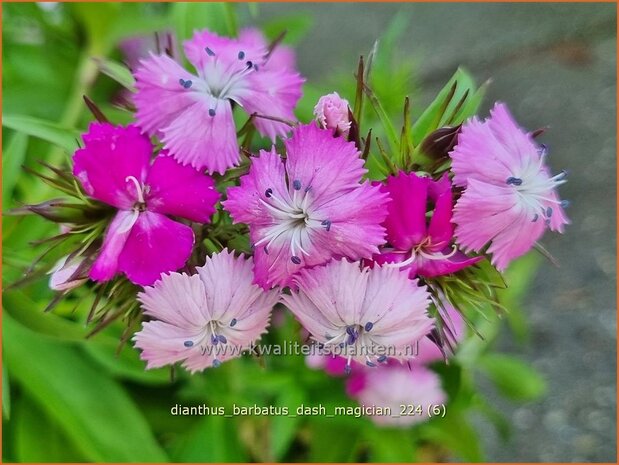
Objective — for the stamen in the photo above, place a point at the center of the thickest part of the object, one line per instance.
(186, 84)
(268, 193)
(370, 364)
(214, 339)
(209, 52)
(211, 112)
(368, 326)
(222, 338)
(296, 260)
(232, 322)
(216, 363)
(543, 150)
(327, 225)
(241, 55)
(347, 368)
(188, 343)
(249, 64)
(296, 184)
(138, 188)
(382, 358)
(549, 212)
(514, 181)
(565, 203)
(535, 217)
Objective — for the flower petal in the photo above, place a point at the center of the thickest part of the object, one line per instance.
(105, 266)
(406, 219)
(156, 245)
(203, 135)
(160, 97)
(110, 155)
(180, 190)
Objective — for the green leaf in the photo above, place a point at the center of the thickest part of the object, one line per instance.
(513, 377)
(388, 445)
(284, 428)
(323, 447)
(188, 17)
(12, 161)
(456, 434)
(94, 411)
(98, 20)
(30, 426)
(442, 107)
(6, 394)
(296, 27)
(214, 439)
(117, 71)
(46, 130)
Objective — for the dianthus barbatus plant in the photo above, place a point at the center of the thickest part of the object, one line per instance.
(376, 245)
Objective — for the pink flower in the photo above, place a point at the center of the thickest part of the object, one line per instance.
(453, 332)
(192, 113)
(206, 318)
(395, 385)
(310, 208)
(510, 197)
(366, 315)
(424, 248)
(331, 112)
(115, 167)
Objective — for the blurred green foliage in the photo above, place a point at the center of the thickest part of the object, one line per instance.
(68, 399)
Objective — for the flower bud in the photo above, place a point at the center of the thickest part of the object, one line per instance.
(68, 274)
(331, 112)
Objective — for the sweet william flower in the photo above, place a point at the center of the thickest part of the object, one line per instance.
(141, 241)
(331, 112)
(192, 113)
(394, 385)
(308, 209)
(420, 246)
(366, 315)
(204, 319)
(510, 198)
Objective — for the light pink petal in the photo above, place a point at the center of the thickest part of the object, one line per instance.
(266, 172)
(203, 135)
(325, 164)
(406, 219)
(110, 155)
(272, 93)
(180, 190)
(106, 266)
(487, 213)
(155, 245)
(160, 97)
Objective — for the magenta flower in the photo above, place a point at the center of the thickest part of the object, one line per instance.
(362, 314)
(115, 167)
(192, 113)
(424, 248)
(206, 318)
(510, 197)
(394, 385)
(309, 209)
(331, 112)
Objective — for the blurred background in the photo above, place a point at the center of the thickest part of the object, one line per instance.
(554, 64)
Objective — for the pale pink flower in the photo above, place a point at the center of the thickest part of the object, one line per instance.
(308, 209)
(192, 113)
(206, 318)
(331, 112)
(364, 314)
(394, 386)
(510, 197)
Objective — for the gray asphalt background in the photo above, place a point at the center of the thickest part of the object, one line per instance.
(554, 64)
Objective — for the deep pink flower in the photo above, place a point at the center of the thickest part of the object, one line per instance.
(310, 208)
(206, 318)
(142, 242)
(395, 385)
(510, 197)
(366, 315)
(331, 112)
(424, 248)
(192, 113)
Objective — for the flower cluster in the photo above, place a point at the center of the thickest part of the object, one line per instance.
(360, 261)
